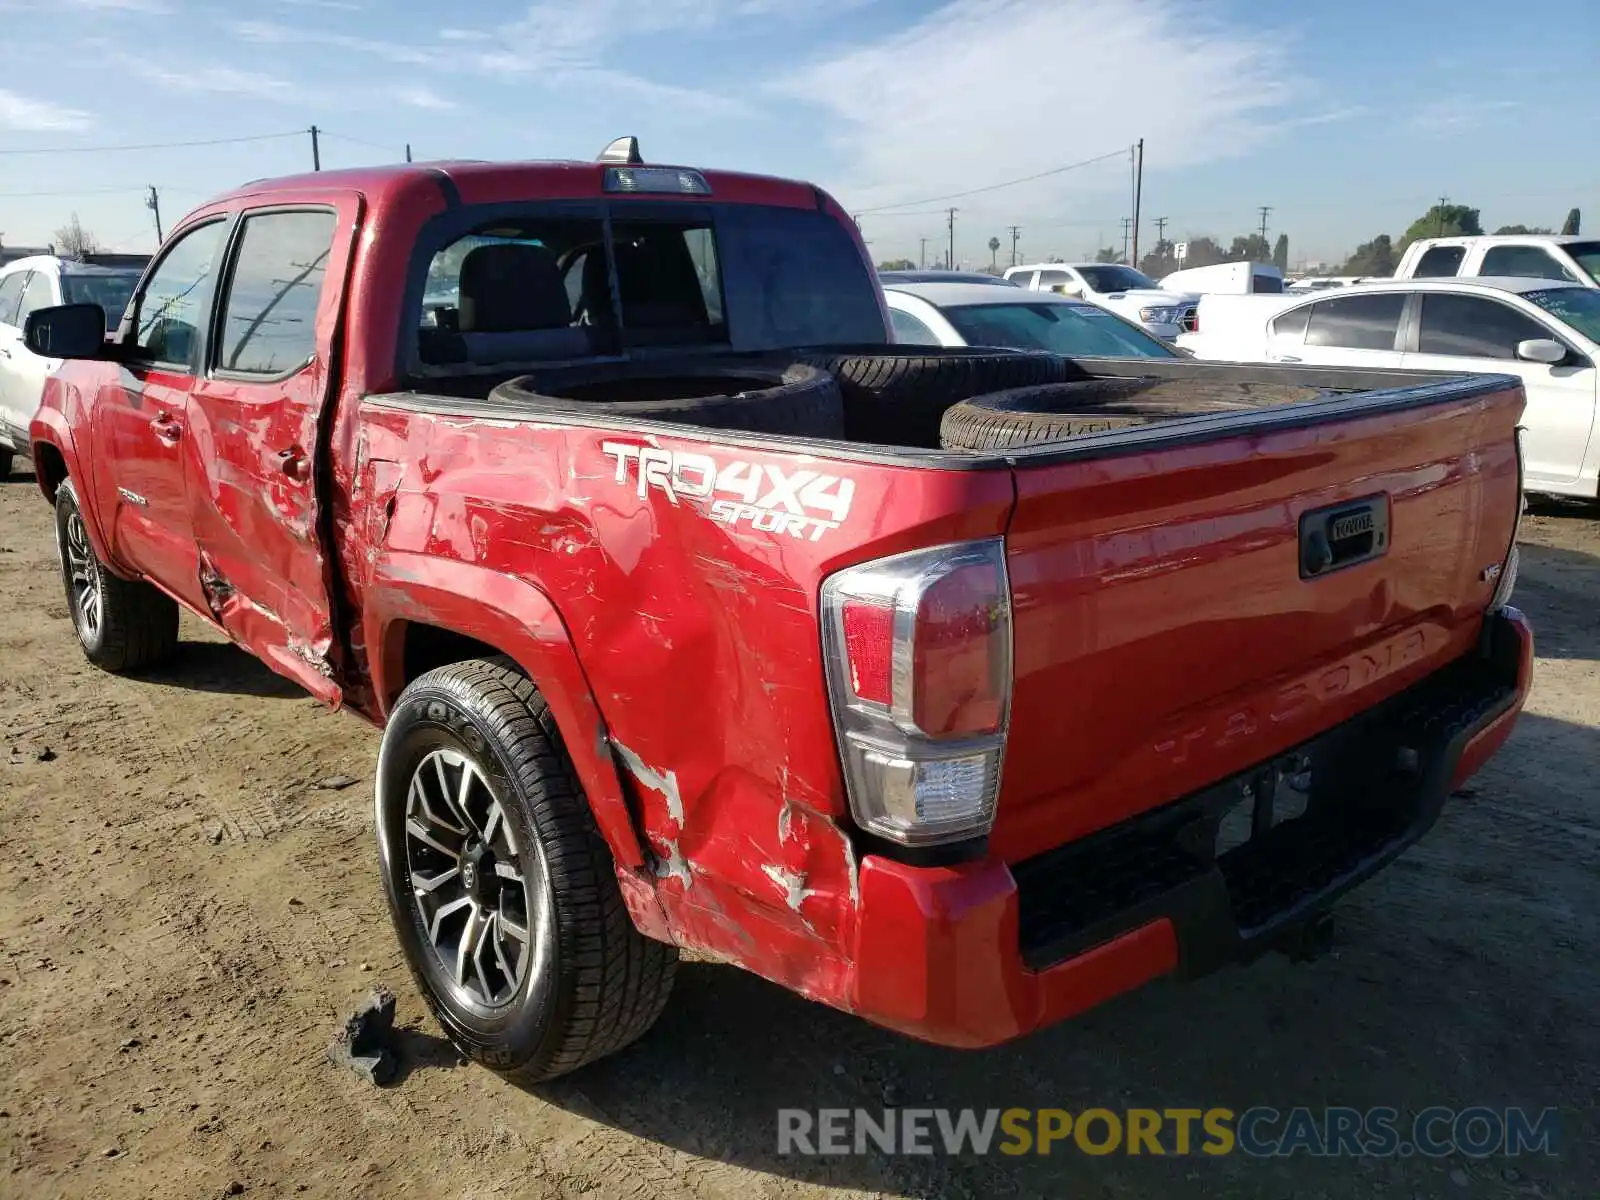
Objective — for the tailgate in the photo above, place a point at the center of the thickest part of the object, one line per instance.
(1166, 635)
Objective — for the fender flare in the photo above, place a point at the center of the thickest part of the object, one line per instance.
(50, 427)
(518, 619)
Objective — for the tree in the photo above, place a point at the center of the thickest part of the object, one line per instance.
(897, 264)
(1372, 258)
(1250, 248)
(74, 241)
(1159, 261)
(1108, 254)
(1280, 253)
(1443, 220)
(994, 253)
(1570, 225)
(1521, 229)
(1204, 252)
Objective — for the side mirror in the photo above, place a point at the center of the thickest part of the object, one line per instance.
(1542, 350)
(1066, 289)
(66, 331)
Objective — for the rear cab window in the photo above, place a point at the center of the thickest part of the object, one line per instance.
(551, 283)
(1530, 262)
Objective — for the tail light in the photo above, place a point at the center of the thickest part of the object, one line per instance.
(918, 656)
(1507, 583)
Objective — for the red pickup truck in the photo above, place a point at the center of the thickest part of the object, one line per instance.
(599, 488)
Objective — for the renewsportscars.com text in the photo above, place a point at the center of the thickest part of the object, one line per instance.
(1260, 1132)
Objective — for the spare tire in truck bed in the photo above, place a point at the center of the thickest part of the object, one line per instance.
(750, 396)
(897, 395)
(1027, 416)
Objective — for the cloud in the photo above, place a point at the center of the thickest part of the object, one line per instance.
(216, 79)
(26, 114)
(267, 33)
(986, 90)
(422, 97)
(1456, 115)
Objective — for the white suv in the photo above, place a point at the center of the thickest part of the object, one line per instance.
(1128, 293)
(39, 282)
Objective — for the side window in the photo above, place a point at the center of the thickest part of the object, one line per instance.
(1356, 322)
(269, 322)
(172, 307)
(1050, 279)
(35, 295)
(11, 292)
(1531, 262)
(1474, 327)
(1291, 324)
(1024, 279)
(909, 331)
(1439, 262)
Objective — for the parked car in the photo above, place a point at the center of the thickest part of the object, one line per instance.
(964, 314)
(665, 655)
(1546, 333)
(1122, 290)
(1564, 257)
(1236, 278)
(888, 278)
(27, 284)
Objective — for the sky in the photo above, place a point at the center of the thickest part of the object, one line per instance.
(1346, 120)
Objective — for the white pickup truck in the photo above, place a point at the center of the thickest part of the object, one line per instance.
(1569, 258)
(1128, 293)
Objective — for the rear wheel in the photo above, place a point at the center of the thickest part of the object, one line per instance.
(502, 891)
(124, 626)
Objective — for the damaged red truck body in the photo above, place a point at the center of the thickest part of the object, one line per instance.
(961, 742)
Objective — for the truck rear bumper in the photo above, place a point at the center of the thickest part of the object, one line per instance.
(974, 955)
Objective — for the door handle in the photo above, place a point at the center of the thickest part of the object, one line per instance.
(167, 429)
(1286, 358)
(294, 464)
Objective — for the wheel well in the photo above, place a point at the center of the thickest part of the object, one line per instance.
(428, 646)
(49, 468)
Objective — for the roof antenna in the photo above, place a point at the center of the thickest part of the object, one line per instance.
(623, 150)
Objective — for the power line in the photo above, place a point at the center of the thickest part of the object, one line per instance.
(995, 187)
(258, 137)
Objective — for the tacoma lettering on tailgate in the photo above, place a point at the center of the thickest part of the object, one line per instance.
(803, 504)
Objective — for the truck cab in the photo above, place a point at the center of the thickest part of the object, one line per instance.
(1564, 257)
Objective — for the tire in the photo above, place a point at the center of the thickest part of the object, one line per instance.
(586, 983)
(897, 396)
(761, 396)
(124, 626)
(1028, 416)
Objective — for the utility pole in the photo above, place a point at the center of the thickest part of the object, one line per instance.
(950, 257)
(408, 151)
(153, 203)
(1127, 225)
(1015, 234)
(922, 255)
(1438, 226)
(1161, 232)
(1138, 197)
(316, 151)
(1264, 211)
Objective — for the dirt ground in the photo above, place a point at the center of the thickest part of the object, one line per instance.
(185, 913)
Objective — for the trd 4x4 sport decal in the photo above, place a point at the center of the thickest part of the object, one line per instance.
(803, 504)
